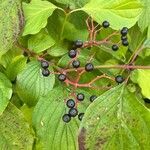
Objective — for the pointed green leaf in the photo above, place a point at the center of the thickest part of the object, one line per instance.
(5, 92)
(15, 133)
(31, 84)
(11, 23)
(115, 120)
(119, 13)
(36, 15)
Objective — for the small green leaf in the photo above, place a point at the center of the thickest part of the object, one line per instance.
(31, 84)
(52, 132)
(15, 67)
(40, 42)
(5, 92)
(118, 13)
(142, 77)
(115, 120)
(36, 14)
(11, 23)
(15, 133)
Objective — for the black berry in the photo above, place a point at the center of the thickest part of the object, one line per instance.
(76, 63)
(66, 118)
(115, 47)
(124, 38)
(89, 67)
(124, 31)
(73, 112)
(105, 24)
(125, 42)
(78, 44)
(72, 53)
(44, 64)
(80, 97)
(119, 79)
(80, 116)
(146, 100)
(45, 72)
(62, 77)
(70, 103)
(93, 97)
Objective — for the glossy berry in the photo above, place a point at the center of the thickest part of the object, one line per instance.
(146, 100)
(78, 44)
(72, 53)
(66, 118)
(115, 47)
(124, 31)
(70, 103)
(80, 116)
(73, 112)
(89, 67)
(125, 43)
(61, 77)
(92, 98)
(44, 64)
(80, 97)
(45, 72)
(119, 79)
(76, 63)
(124, 38)
(105, 24)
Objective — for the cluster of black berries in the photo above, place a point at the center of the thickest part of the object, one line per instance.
(73, 53)
(124, 39)
(73, 112)
(45, 70)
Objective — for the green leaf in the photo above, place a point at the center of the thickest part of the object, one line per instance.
(147, 43)
(15, 67)
(144, 20)
(11, 23)
(40, 42)
(36, 14)
(5, 92)
(73, 3)
(119, 13)
(7, 58)
(58, 49)
(15, 133)
(31, 84)
(115, 120)
(142, 77)
(51, 131)
(136, 41)
(148, 36)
